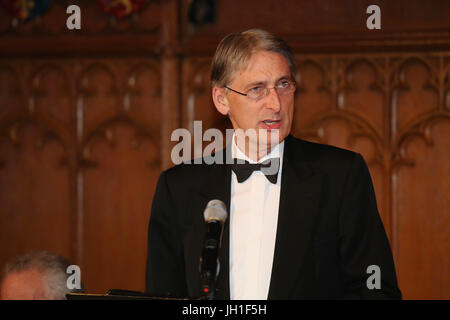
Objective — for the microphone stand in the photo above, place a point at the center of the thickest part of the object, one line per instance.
(209, 262)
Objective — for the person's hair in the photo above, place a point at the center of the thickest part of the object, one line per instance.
(51, 266)
(236, 49)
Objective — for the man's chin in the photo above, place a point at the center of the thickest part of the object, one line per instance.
(273, 137)
(269, 139)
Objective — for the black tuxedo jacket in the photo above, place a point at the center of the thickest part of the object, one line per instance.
(329, 230)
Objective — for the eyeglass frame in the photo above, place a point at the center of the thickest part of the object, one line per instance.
(267, 90)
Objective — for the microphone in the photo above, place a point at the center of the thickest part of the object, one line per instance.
(215, 216)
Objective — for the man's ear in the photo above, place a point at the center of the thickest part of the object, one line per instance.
(220, 100)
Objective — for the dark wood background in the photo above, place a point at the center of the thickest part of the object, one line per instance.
(86, 117)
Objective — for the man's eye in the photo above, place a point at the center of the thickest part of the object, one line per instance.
(256, 89)
(283, 84)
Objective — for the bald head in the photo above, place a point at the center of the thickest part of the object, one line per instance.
(37, 275)
(25, 285)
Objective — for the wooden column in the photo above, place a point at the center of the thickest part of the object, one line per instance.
(170, 65)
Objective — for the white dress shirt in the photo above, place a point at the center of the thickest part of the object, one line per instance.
(253, 226)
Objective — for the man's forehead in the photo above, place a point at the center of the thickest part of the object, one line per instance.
(28, 275)
(24, 284)
(263, 66)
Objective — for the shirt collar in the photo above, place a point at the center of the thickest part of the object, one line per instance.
(276, 152)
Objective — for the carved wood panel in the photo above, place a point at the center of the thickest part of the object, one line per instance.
(123, 161)
(422, 207)
(80, 156)
(35, 190)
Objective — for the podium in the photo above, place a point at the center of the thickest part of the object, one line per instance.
(118, 294)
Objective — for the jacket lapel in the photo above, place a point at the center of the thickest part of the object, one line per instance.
(300, 194)
(217, 185)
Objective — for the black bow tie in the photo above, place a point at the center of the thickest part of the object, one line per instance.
(243, 171)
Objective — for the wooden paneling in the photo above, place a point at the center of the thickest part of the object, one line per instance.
(328, 25)
(35, 192)
(117, 192)
(422, 209)
(80, 157)
(86, 118)
(121, 152)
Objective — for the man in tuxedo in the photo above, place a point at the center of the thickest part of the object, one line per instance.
(309, 230)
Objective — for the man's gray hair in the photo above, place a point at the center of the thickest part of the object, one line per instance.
(51, 266)
(235, 50)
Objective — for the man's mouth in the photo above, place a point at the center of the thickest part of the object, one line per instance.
(271, 124)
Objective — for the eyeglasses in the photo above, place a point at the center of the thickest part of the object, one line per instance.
(283, 88)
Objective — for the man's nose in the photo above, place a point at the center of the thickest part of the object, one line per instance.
(273, 100)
